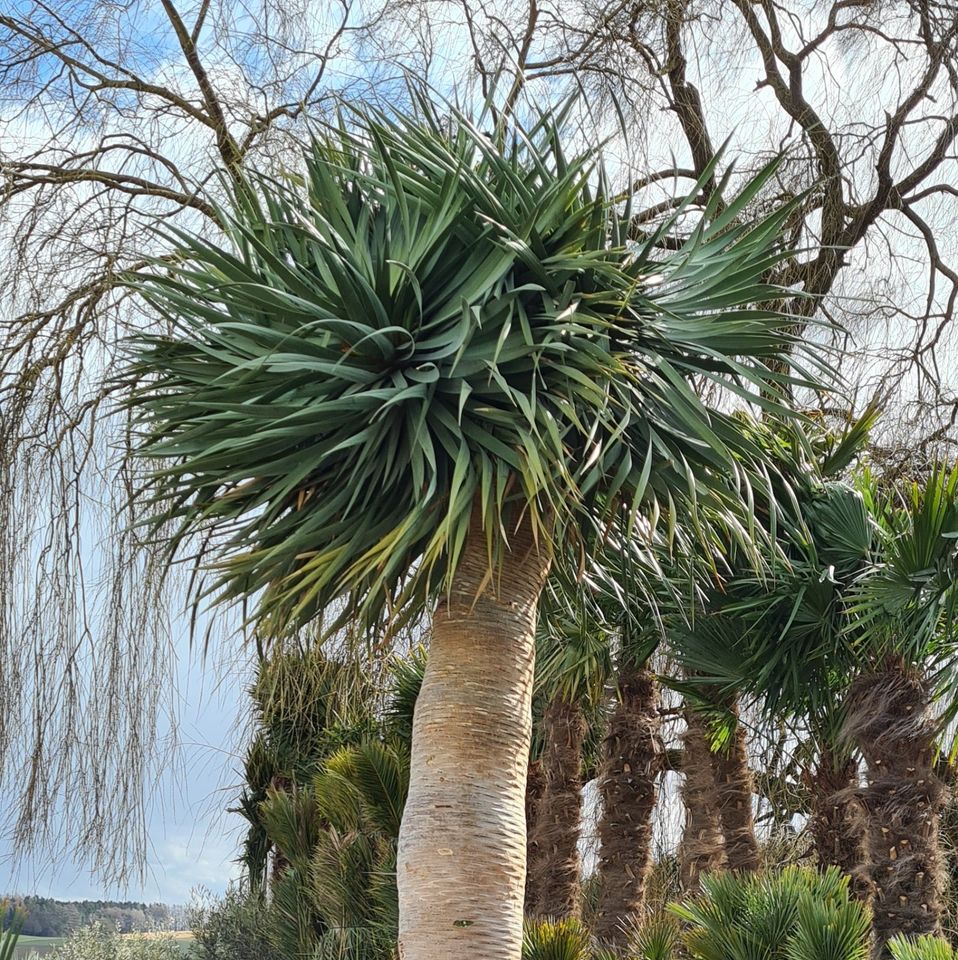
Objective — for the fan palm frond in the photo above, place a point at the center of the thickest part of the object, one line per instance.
(920, 948)
(779, 638)
(906, 600)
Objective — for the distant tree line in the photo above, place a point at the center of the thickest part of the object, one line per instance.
(46, 917)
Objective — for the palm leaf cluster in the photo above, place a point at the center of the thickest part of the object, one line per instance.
(779, 635)
(906, 601)
(921, 948)
(566, 939)
(337, 897)
(306, 705)
(795, 914)
(867, 571)
(435, 322)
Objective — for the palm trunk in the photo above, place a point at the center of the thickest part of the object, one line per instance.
(890, 720)
(734, 790)
(837, 822)
(461, 866)
(702, 848)
(535, 785)
(631, 762)
(554, 865)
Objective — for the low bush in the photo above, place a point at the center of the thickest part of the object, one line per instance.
(792, 914)
(233, 927)
(98, 942)
(556, 940)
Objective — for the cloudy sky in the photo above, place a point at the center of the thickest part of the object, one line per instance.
(193, 842)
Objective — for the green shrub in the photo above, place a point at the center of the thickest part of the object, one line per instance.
(793, 914)
(97, 942)
(656, 939)
(234, 927)
(921, 948)
(555, 940)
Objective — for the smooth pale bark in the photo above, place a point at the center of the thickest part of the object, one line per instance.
(462, 846)
(889, 719)
(702, 847)
(632, 759)
(735, 788)
(555, 869)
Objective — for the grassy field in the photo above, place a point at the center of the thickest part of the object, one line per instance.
(44, 945)
(39, 945)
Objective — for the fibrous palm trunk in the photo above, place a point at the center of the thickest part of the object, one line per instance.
(735, 787)
(461, 866)
(535, 785)
(837, 821)
(890, 720)
(554, 865)
(632, 759)
(702, 848)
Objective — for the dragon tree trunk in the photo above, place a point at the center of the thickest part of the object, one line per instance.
(461, 866)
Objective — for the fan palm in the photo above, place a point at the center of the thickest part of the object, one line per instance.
(777, 641)
(407, 380)
(794, 914)
(903, 636)
(820, 536)
(857, 637)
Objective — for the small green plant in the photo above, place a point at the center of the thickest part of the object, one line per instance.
(830, 930)
(921, 948)
(10, 935)
(792, 914)
(556, 940)
(656, 939)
